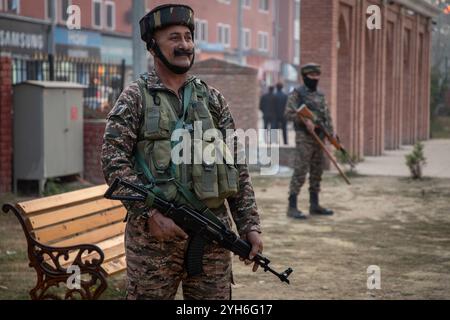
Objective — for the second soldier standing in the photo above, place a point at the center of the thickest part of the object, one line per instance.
(309, 155)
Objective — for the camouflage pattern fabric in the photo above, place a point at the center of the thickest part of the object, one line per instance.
(121, 135)
(164, 16)
(156, 269)
(309, 155)
(310, 68)
(315, 101)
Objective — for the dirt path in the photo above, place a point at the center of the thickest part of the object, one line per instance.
(401, 226)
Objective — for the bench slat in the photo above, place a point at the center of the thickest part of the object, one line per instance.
(93, 236)
(46, 203)
(80, 217)
(108, 243)
(76, 211)
(110, 253)
(114, 266)
(66, 229)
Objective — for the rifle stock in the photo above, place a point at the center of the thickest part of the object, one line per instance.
(304, 113)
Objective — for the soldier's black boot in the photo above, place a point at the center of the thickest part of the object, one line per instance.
(293, 211)
(315, 208)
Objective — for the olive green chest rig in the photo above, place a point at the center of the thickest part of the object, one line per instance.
(208, 183)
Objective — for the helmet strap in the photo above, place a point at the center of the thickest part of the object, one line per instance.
(175, 69)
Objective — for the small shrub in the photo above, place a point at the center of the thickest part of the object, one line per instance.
(343, 160)
(416, 160)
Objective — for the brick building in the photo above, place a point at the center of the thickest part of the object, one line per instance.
(105, 28)
(287, 40)
(376, 81)
(217, 34)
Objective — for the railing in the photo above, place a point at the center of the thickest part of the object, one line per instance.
(104, 81)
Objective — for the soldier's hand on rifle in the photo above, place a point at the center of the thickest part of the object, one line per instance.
(310, 125)
(257, 247)
(163, 228)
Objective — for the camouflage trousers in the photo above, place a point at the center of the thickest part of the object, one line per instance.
(309, 158)
(156, 269)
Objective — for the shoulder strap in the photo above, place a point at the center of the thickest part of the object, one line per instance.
(204, 92)
(187, 194)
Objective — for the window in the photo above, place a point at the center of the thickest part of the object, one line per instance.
(297, 10)
(97, 13)
(63, 14)
(223, 36)
(263, 41)
(48, 9)
(264, 5)
(297, 52)
(246, 35)
(201, 30)
(10, 6)
(110, 15)
(247, 4)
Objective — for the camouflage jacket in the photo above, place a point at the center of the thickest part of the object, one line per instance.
(316, 102)
(121, 135)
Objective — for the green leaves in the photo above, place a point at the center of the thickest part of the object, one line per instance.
(416, 160)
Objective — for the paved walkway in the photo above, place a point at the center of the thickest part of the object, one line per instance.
(392, 163)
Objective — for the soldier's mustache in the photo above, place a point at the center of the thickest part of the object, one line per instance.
(181, 52)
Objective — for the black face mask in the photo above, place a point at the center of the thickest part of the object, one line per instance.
(177, 52)
(310, 83)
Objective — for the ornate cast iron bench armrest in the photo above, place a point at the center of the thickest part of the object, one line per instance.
(55, 265)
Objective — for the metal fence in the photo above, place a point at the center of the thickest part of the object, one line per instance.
(104, 81)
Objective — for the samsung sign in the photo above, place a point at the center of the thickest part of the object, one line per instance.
(21, 40)
(22, 37)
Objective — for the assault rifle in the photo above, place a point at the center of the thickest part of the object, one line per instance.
(201, 227)
(304, 113)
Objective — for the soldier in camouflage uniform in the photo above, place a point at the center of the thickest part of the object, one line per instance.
(309, 155)
(155, 245)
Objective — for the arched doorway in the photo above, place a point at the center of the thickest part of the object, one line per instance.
(390, 118)
(422, 110)
(407, 111)
(369, 95)
(344, 110)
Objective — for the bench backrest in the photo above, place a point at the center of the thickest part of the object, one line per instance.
(78, 217)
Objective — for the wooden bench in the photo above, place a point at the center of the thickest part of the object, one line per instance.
(79, 228)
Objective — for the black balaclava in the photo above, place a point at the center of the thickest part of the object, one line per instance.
(175, 69)
(310, 83)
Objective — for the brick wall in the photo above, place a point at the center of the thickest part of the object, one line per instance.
(93, 138)
(239, 85)
(318, 42)
(376, 81)
(5, 125)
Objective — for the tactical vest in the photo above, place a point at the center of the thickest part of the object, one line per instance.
(212, 182)
(312, 105)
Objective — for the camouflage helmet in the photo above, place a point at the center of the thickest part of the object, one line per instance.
(310, 68)
(164, 16)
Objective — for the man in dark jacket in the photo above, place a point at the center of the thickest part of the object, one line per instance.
(280, 107)
(267, 106)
